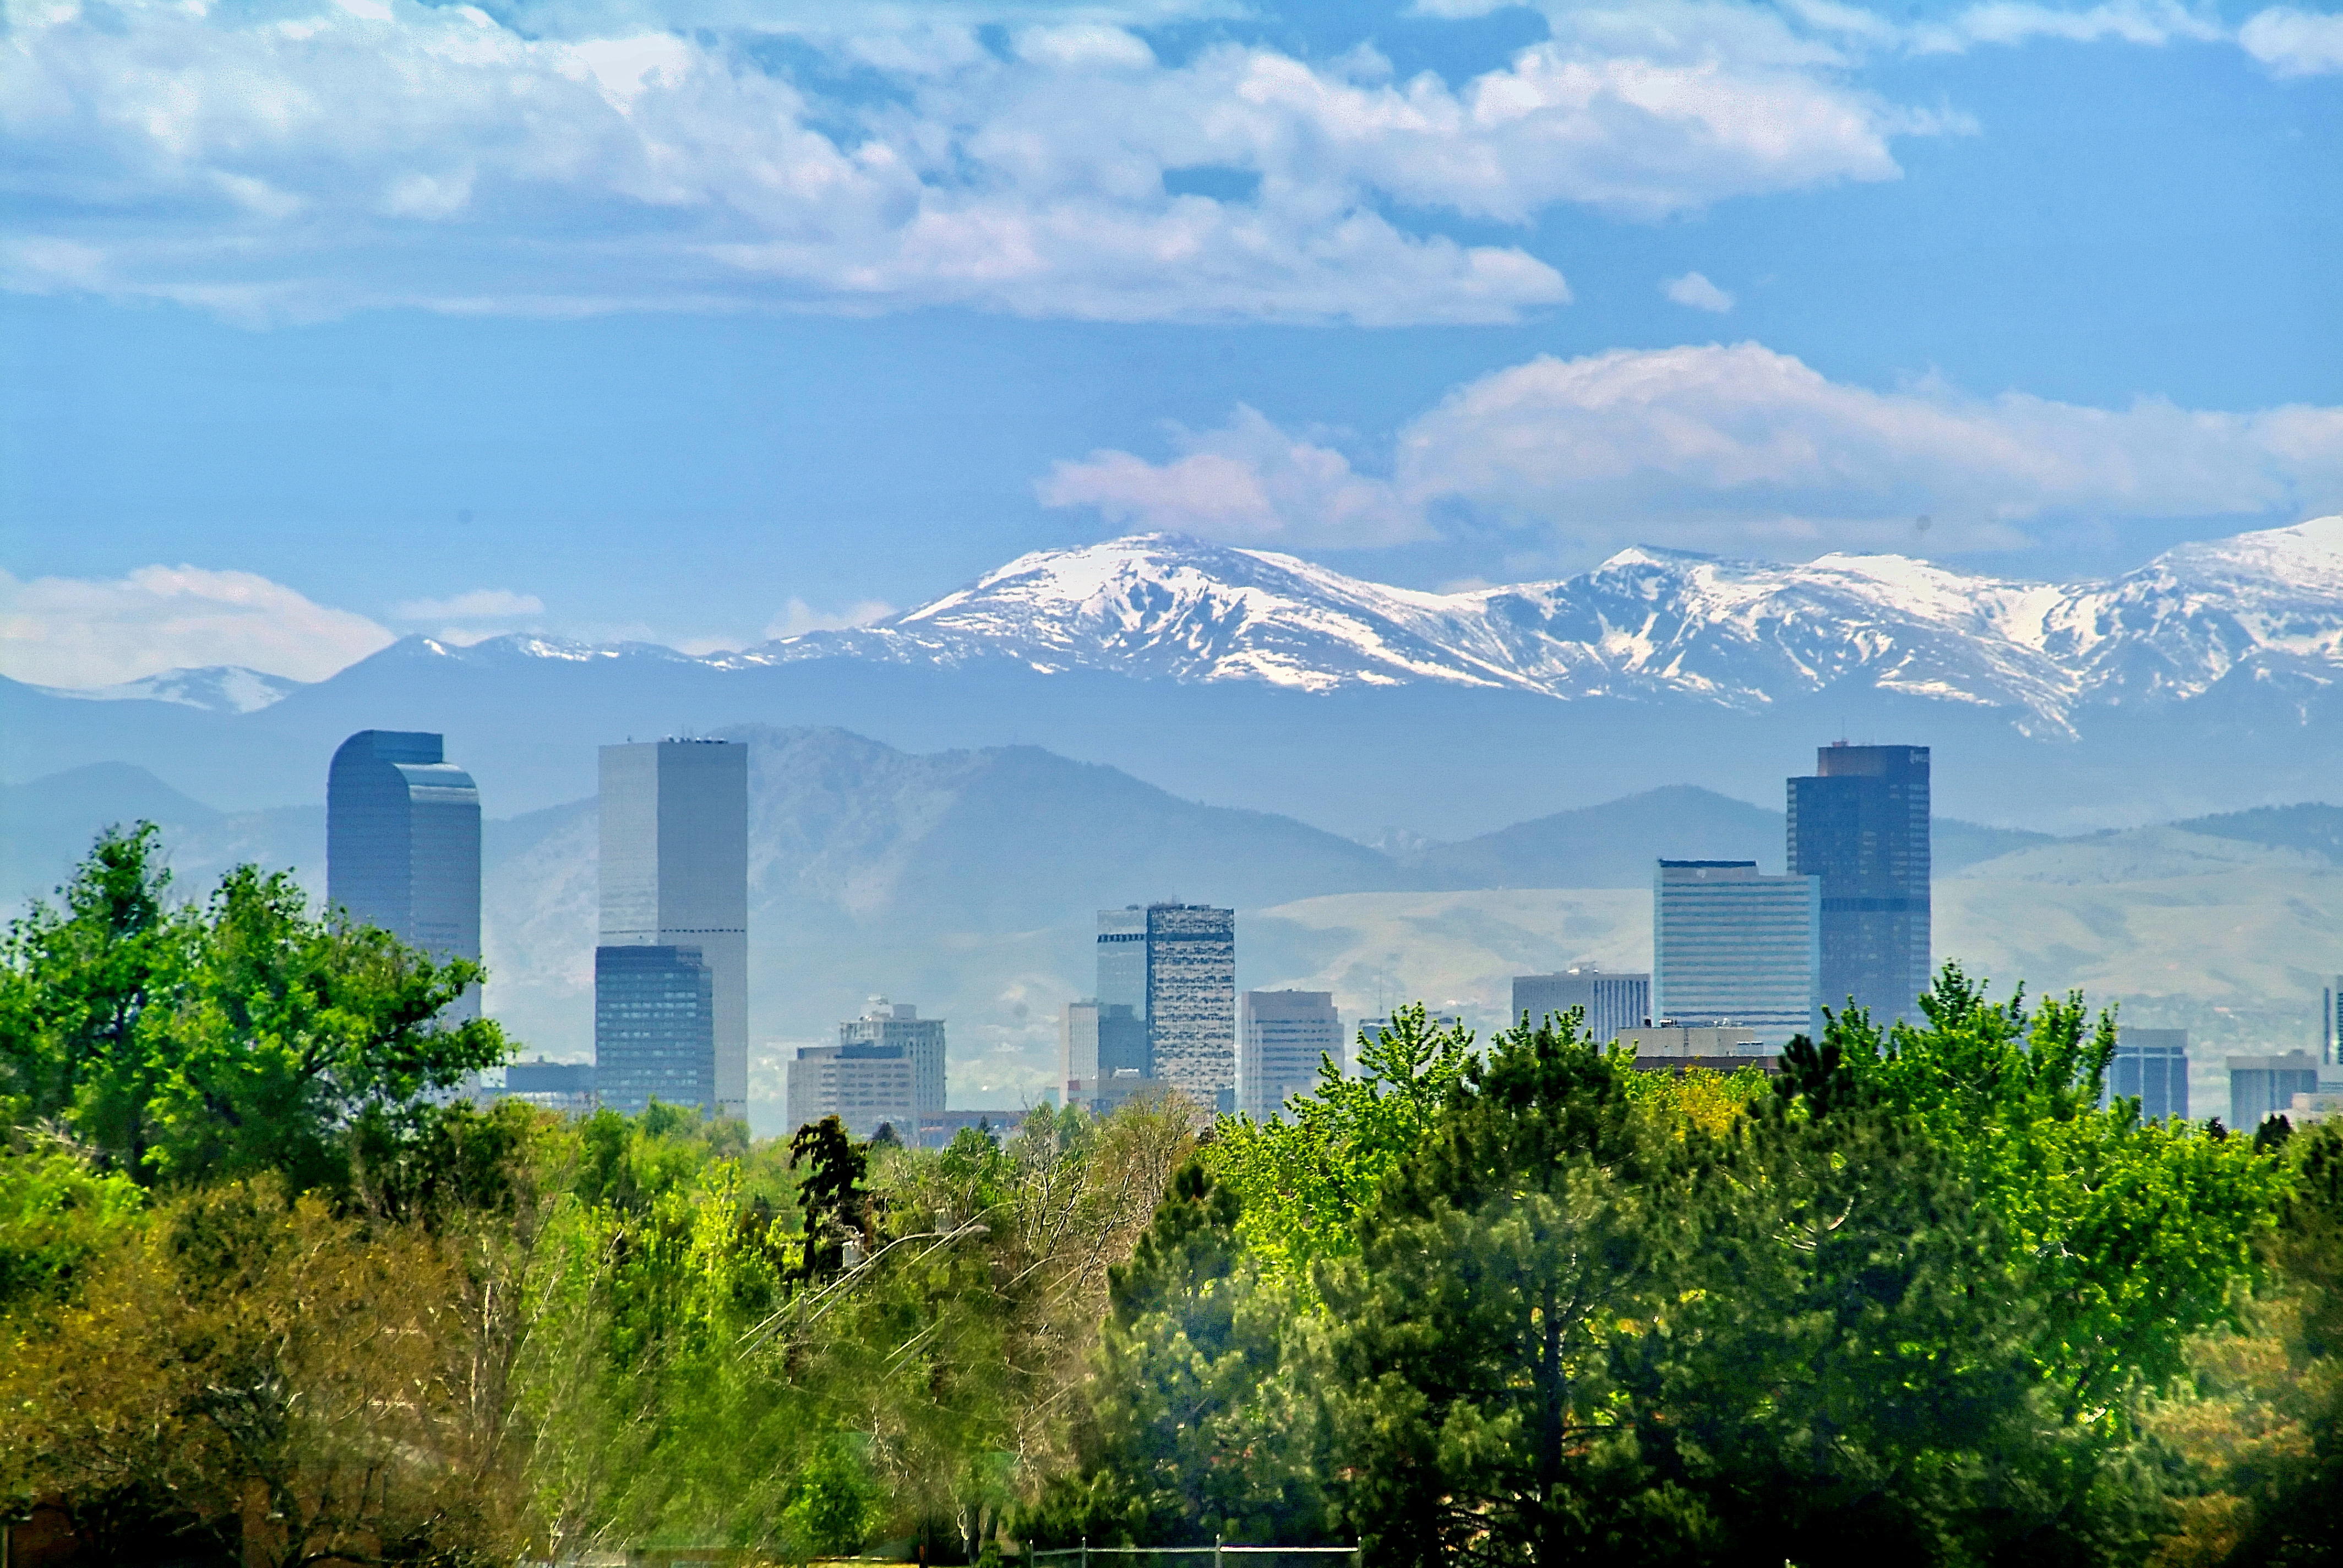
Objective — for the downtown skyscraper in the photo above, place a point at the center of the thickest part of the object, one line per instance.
(1175, 967)
(675, 878)
(1861, 825)
(1733, 948)
(403, 845)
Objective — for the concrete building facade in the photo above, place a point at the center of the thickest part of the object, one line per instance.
(1860, 825)
(1282, 1038)
(889, 1024)
(403, 845)
(2261, 1087)
(866, 1086)
(2151, 1065)
(1613, 1003)
(1733, 948)
(675, 873)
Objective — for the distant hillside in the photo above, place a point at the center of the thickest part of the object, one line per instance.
(47, 825)
(2311, 827)
(1614, 844)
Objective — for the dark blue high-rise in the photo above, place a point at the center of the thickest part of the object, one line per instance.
(1861, 825)
(402, 844)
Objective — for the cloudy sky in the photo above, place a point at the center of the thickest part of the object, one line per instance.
(324, 321)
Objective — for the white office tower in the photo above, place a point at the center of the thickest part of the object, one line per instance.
(865, 1085)
(675, 874)
(1282, 1035)
(1734, 949)
(886, 1023)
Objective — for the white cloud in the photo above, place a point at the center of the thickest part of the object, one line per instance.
(479, 604)
(2293, 43)
(1248, 483)
(308, 157)
(1729, 448)
(1694, 290)
(798, 617)
(80, 632)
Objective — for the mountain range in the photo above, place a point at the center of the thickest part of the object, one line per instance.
(2202, 682)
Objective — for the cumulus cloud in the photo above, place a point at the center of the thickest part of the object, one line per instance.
(2293, 43)
(1694, 290)
(83, 632)
(1729, 448)
(312, 156)
(798, 617)
(1248, 483)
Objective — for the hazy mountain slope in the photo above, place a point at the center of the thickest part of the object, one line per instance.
(2310, 827)
(46, 824)
(1612, 845)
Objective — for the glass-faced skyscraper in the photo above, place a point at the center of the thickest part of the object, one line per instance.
(1733, 948)
(1175, 967)
(1861, 824)
(654, 1028)
(675, 876)
(403, 845)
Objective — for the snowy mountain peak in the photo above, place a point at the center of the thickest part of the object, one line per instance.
(1647, 624)
(216, 689)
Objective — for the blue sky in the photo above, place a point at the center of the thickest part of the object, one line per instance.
(701, 321)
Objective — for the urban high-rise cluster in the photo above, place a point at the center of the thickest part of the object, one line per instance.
(1174, 966)
(886, 1070)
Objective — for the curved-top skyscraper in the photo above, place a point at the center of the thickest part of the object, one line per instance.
(402, 844)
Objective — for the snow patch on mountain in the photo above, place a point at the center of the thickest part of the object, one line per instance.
(1647, 624)
(216, 689)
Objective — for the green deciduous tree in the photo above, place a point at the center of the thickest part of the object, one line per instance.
(185, 1044)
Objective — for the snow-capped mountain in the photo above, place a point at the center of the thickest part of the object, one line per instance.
(215, 688)
(1648, 624)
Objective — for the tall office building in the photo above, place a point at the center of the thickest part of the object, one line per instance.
(654, 1028)
(2331, 1024)
(865, 1085)
(1613, 1004)
(922, 1038)
(1731, 947)
(403, 845)
(2261, 1087)
(675, 874)
(1098, 1043)
(1281, 1037)
(1175, 967)
(1861, 825)
(2151, 1065)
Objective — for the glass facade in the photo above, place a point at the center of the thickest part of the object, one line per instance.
(1175, 967)
(403, 845)
(1861, 825)
(675, 871)
(1613, 1004)
(1096, 1041)
(1283, 1035)
(654, 1028)
(2151, 1065)
(1733, 948)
